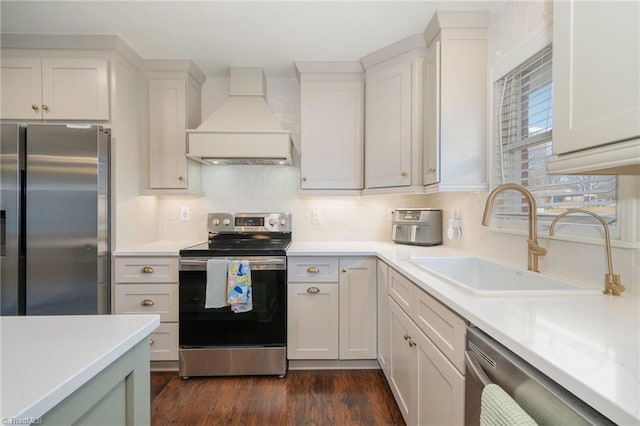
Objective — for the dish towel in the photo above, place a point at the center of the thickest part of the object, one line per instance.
(497, 408)
(239, 286)
(216, 288)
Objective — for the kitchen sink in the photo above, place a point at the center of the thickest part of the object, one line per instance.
(485, 278)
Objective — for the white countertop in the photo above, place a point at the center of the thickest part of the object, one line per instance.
(590, 344)
(157, 248)
(46, 358)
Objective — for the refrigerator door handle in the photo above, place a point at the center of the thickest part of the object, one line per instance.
(3, 233)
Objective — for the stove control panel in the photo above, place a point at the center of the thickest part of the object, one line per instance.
(248, 222)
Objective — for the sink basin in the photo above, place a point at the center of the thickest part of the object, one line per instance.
(485, 278)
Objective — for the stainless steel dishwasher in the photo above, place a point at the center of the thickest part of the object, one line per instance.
(548, 403)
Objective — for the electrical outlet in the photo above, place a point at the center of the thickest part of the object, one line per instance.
(185, 214)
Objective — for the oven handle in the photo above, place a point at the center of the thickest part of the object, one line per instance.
(256, 264)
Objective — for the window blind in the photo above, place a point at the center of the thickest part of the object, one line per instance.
(524, 137)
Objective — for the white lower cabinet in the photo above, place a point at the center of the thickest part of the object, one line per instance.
(331, 308)
(384, 318)
(312, 324)
(149, 285)
(426, 381)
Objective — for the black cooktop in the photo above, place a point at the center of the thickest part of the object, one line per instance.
(264, 244)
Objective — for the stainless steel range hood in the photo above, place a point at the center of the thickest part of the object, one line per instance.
(243, 130)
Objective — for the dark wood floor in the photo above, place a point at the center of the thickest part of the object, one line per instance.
(328, 397)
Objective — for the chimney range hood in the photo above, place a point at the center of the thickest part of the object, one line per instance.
(243, 130)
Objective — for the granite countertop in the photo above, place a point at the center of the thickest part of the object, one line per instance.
(590, 344)
(47, 358)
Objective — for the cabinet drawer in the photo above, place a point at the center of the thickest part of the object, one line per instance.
(146, 270)
(161, 299)
(163, 342)
(313, 269)
(445, 329)
(401, 290)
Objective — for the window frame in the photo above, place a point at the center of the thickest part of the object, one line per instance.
(575, 227)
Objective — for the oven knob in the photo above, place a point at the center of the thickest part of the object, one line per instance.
(216, 221)
(226, 222)
(283, 222)
(273, 222)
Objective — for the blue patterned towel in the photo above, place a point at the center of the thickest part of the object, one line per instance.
(239, 286)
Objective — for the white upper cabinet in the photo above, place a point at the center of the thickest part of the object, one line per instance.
(393, 116)
(174, 107)
(455, 102)
(331, 104)
(596, 87)
(55, 89)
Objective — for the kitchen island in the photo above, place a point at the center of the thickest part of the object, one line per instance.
(75, 369)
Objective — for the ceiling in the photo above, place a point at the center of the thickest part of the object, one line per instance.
(216, 35)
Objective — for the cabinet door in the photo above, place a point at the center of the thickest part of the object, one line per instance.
(388, 125)
(596, 88)
(383, 317)
(312, 322)
(431, 119)
(167, 134)
(21, 88)
(403, 363)
(440, 387)
(358, 308)
(75, 89)
(332, 135)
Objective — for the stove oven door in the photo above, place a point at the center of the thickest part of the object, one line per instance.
(264, 326)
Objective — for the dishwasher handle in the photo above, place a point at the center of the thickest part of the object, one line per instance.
(475, 368)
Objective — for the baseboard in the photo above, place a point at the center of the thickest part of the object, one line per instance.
(329, 364)
(164, 366)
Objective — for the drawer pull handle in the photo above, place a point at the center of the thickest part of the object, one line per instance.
(147, 270)
(151, 341)
(313, 269)
(313, 290)
(147, 302)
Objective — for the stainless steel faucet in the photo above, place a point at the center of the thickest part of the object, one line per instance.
(534, 250)
(612, 285)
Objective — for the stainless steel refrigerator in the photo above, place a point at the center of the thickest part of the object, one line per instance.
(54, 206)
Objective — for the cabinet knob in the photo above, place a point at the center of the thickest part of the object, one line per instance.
(147, 302)
(35, 107)
(147, 270)
(180, 178)
(406, 336)
(313, 269)
(45, 108)
(304, 179)
(404, 174)
(432, 170)
(344, 270)
(151, 341)
(411, 342)
(313, 290)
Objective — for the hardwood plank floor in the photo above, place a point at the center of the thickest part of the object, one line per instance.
(313, 398)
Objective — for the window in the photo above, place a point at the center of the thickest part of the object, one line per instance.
(524, 137)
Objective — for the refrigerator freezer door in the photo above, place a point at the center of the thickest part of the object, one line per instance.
(9, 202)
(61, 220)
